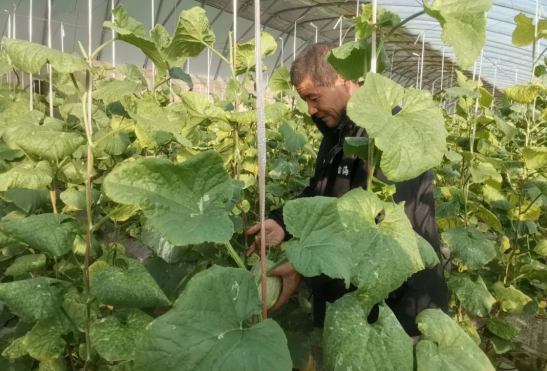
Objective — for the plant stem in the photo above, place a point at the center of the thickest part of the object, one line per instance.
(370, 164)
(98, 50)
(161, 83)
(234, 255)
(394, 29)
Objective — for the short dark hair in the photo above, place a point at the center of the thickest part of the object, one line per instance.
(312, 63)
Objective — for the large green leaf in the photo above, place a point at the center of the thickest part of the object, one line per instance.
(525, 93)
(192, 35)
(511, 299)
(525, 32)
(50, 145)
(535, 157)
(319, 245)
(30, 200)
(352, 60)
(201, 111)
(280, 80)
(502, 328)
(51, 233)
(245, 55)
(132, 73)
(294, 141)
(114, 90)
(469, 246)
(384, 253)
(446, 347)
(208, 332)
(412, 141)
(352, 343)
(384, 20)
(113, 144)
(116, 337)
(484, 171)
(464, 26)
(127, 286)
(472, 293)
(44, 342)
(33, 299)
(30, 57)
(133, 32)
(182, 202)
(26, 264)
(27, 175)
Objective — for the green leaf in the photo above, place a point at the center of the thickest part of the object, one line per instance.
(541, 248)
(485, 215)
(178, 74)
(26, 264)
(245, 55)
(129, 286)
(384, 21)
(116, 337)
(529, 212)
(525, 93)
(16, 349)
(50, 145)
(27, 175)
(132, 32)
(469, 246)
(525, 32)
(377, 245)
(51, 233)
(30, 200)
(201, 111)
(182, 202)
(416, 132)
(58, 364)
(158, 244)
(9, 154)
(502, 328)
(30, 57)
(446, 347)
(483, 171)
(284, 167)
(280, 80)
(352, 60)
(33, 299)
(535, 157)
(508, 128)
(427, 253)
(351, 342)
(132, 73)
(511, 299)
(113, 144)
(207, 332)
(319, 245)
(472, 293)
(44, 341)
(294, 141)
(76, 198)
(356, 146)
(192, 35)
(113, 90)
(167, 276)
(464, 26)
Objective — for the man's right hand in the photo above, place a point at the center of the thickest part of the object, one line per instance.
(274, 235)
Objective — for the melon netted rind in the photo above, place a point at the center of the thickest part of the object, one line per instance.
(273, 284)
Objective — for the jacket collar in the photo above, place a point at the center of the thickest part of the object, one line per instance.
(345, 127)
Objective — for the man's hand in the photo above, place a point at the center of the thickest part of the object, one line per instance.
(291, 279)
(274, 235)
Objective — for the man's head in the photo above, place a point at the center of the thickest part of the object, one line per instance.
(324, 90)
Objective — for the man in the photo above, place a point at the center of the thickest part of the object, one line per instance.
(327, 95)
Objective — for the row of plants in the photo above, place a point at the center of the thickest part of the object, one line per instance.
(122, 226)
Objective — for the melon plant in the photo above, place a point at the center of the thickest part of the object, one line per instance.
(273, 284)
(122, 222)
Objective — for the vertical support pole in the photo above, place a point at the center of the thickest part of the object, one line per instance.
(62, 38)
(341, 29)
(535, 39)
(476, 105)
(153, 65)
(113, 34)
(418, 73)
(442, 71)
(234, 35)
(208, 72)
(316, 31)
(391, 67)
(9, 37)
(294, 43)
(474, 70)
(261, 141)
(31, 85)
(357, 15)
(373, 58)
(452, 76)
(282, 50)
(422, 63)
(14, 21)
(50, 94)
(494, 88)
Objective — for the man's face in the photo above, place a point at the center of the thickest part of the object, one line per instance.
(326, 103)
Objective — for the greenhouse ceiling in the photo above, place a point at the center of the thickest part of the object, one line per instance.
(502, 63)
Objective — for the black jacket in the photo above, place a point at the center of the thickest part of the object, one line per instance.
(337, 174)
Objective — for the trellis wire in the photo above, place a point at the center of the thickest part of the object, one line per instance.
(494, 87)
(261, 144)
